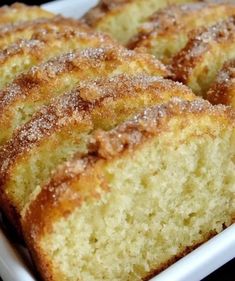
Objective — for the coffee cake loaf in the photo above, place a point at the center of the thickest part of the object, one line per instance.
(146, 192)
(121, 18)
(168, 30)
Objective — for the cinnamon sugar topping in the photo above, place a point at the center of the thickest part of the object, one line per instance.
(149, 123)
(201, 42)
(223, 89)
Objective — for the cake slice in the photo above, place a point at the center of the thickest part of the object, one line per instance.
(223, 88)
(121, 18)
(11, 33)
(203, 57)
(31, 90)
(146, 194)
(168, 30)
(19, 12)
(22, 55)
(63, 128)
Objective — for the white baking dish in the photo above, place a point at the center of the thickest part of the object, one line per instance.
(193, 267)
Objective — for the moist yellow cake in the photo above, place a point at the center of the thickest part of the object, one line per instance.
(223, 88)
(19, 12)
(121, 18)
(62, 128)
(168, 30)
(28, 92)
(146, 193)
(199, 62)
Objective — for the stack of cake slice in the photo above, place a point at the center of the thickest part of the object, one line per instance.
(195, 39)
(110, 169)
(122, 18)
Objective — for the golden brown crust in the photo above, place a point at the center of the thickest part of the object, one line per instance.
(130, 134)
(19, 48)
(38, 83)
(43, 74)
(223, 89)
(89, 58)
(60, 195)
(201, 43)
(43, 124)
(10, 33)
(19, 12)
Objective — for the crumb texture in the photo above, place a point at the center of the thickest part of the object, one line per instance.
(149, 204)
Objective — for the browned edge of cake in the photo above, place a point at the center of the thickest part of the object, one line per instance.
(200, 44)
(222, 90)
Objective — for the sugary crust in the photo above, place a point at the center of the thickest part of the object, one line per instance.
(223, 89)
(12, 32)
(89, 58)
(39, 82)
(71, 184)
(132, 133)
(68, 62)
(77, 107)
(19, 48)
(177, 19)
(20, 12)
(203, 41)
(104, 7)
(40, 76)
(41, 39)
(68, 31)
(47, 44)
